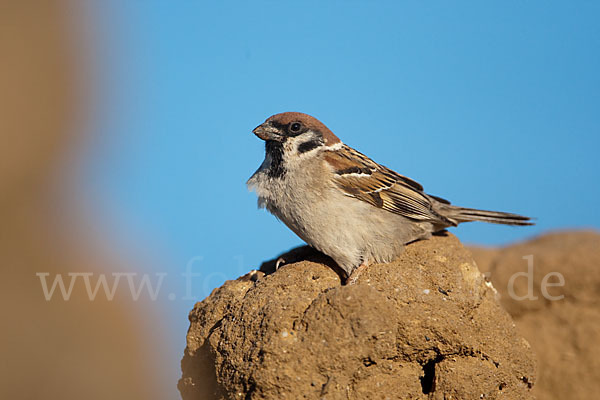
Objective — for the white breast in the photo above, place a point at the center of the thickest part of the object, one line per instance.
(348, 230)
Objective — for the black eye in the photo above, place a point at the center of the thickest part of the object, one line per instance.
(295, 127)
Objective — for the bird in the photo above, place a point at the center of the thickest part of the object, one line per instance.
(344, 204)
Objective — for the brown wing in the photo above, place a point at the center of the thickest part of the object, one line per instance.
(360, 177)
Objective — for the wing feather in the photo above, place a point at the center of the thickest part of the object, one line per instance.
(360, 177)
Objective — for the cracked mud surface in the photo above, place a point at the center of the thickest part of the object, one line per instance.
(425, 326)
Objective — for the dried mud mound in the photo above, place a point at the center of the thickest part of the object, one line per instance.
(426, 326)
(562, 324)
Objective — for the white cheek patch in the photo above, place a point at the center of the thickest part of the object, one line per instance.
(303, 145)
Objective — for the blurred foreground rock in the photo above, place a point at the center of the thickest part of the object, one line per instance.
(60, 349)
(426, 326)
(564, 331)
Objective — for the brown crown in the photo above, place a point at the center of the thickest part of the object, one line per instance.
(310, 122)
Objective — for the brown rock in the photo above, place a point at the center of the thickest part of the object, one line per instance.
(564, 332)
(425, 326)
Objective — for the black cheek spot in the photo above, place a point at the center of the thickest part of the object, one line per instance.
(308, 146)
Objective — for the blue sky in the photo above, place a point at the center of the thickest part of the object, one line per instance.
(490, 105)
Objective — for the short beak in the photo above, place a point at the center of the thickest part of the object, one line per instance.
(266, 131)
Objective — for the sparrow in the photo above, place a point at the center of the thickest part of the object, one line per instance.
(344, 204)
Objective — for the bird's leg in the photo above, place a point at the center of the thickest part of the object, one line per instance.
(356, 273)
(280, 261)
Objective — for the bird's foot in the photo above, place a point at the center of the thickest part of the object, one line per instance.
(279, 263)
(356, 274)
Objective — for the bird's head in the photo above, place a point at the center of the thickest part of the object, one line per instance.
(297, 132)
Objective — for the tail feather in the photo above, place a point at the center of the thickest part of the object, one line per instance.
(461, 214)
